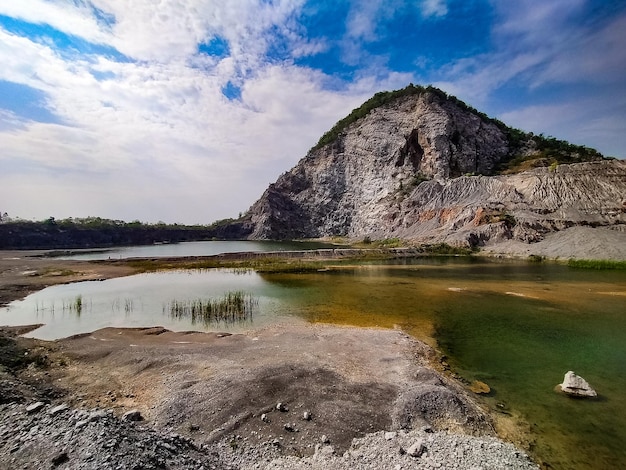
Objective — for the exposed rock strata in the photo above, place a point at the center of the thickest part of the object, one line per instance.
(398, 172)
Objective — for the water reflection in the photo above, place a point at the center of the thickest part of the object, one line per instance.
(138, 301)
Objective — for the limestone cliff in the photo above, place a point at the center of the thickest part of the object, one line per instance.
(423, 166)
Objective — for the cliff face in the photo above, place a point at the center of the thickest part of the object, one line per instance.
(397, 172)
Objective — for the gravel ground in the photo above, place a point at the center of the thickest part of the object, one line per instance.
(574, 242)
(65, 438)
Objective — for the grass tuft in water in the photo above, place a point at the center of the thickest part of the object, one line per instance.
(233, 307)
(596, 264)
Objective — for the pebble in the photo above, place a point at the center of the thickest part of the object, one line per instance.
(416, 449)
(59, 408)
(35, 407)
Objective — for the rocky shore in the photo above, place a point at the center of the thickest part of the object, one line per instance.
(61, 437)
(149, 398)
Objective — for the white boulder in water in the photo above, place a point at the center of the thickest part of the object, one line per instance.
(575, 386)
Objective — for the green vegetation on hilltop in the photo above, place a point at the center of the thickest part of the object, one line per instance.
(379, 99)
(544, 151)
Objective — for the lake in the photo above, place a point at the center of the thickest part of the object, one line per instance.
(200, 248)
(517, 326)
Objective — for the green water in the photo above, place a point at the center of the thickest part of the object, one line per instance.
(516, 326)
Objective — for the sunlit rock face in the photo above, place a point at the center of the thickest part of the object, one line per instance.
(415, 168)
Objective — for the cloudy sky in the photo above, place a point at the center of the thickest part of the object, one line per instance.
(185, 110)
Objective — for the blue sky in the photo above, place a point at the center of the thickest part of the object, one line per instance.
(185, 110)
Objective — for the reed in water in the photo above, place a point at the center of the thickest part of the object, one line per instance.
(234, 306)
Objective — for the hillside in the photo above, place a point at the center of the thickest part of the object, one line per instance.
(419, 165)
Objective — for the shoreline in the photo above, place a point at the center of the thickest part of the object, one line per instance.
(83, 356)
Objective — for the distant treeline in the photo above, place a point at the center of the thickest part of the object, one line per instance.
(95, 232)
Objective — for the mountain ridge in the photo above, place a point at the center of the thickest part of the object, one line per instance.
(425, 167)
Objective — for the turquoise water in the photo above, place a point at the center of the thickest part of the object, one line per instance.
(516, 326)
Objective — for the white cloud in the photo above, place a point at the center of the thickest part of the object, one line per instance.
(154, 138)
(588, 121)
(434, 8)
(71, 18)
(159, 135)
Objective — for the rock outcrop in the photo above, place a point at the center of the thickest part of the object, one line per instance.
(424, 167)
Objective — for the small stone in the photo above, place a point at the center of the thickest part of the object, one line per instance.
(33, 408)
(575, 386)
(59, 409)
(325, 439)
(264, 418)
(307, 416)
(290, 427)
(132, 415)
(97, 415)
(480, 388)
(389, 436)
(416, 449)
(276, 443)
(282, 407)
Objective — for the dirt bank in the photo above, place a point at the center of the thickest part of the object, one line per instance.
(24, 272)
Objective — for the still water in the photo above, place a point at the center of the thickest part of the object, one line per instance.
(516, 326)
(202, 248)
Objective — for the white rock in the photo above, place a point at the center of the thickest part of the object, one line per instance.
(35, 407)
(576, 386)
(416, 449)
(58, 409)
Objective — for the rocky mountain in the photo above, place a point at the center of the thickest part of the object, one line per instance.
(419, 165)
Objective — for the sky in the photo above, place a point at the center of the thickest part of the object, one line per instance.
(184, 111)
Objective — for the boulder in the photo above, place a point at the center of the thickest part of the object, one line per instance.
(575, 386)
